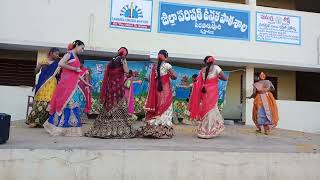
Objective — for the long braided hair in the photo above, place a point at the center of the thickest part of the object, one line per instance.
(208, 66)
(165, 54)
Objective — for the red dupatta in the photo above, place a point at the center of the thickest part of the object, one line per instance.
(85, 89)
(201, 103)
(112, 89)
(65, 88)
(158, 102)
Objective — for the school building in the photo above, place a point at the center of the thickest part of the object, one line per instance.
(281, 38)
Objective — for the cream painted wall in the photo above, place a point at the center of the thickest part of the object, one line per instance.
(57, 22)
(233, 108)
(286, 83)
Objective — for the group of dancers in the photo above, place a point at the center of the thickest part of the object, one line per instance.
(63, 85)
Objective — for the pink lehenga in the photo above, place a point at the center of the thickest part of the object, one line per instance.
(129, 95)
(204, 106)
(64, 111)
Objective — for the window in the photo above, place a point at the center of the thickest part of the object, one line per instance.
(300, 5)
(283, 4)
(17, 72)
(307, 86)
(233, 1)
(308, 5)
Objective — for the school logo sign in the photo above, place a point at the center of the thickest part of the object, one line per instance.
(131, 14)
(131, 11)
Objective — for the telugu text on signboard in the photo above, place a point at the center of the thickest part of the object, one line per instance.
(278, 28)
(203, 21)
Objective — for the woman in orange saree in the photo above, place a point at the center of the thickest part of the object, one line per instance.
(203, 104)
(265, 110)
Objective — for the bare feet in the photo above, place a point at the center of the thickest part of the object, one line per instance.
(32, 125)
(258, 131)
(267, 132)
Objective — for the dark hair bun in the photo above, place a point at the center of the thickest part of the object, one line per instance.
(164, 53)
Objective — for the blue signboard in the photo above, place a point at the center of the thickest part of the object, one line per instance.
(203, 21)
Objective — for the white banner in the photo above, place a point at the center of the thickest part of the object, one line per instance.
(153, 55)
(278, 28)
(131, 14)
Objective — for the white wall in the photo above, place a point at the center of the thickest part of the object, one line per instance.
(49, 164)
(57, 22)
(13, 101)
(294, 115)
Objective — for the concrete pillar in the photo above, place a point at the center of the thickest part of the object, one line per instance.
(249, 80)
(251, 2)
(253, 5)
(248, 90)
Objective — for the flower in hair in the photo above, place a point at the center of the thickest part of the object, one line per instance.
(211, 60)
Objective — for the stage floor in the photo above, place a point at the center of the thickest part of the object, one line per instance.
(236, 138)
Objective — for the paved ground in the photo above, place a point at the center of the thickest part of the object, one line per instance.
(237, 138)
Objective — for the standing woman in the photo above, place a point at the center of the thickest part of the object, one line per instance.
(265, 110)
(188, 120)
(113, 120)
(45, 87)
(129, 93)
(85, 88)
(64, 112)
(158, 106)
(203, 105)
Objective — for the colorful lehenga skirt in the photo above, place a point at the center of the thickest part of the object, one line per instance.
(159, 108)
(160, 127)
(68, 123)
(212, 124)
(114, 123)
(204, 107)
(39, 113)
